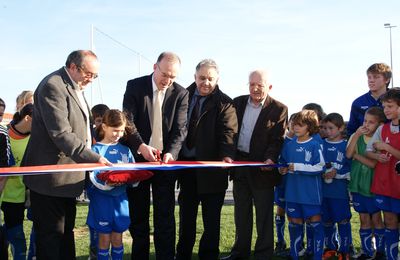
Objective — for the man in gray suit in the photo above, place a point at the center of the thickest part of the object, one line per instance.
(60, 135)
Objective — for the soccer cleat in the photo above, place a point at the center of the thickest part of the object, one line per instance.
(343, 256)
(365, 257)
(328, 254)
(380, 256)
(281, 250)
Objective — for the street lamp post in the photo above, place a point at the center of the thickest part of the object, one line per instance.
(388, 25)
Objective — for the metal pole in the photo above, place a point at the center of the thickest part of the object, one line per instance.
(387, 25)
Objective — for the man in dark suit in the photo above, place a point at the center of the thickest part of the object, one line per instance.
(211, 136)
(158, 107)
(262, 124)
(60, 135)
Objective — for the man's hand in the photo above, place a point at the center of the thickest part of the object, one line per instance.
(227, 160)
(268, 162)
(105, 161)
(168, 158)
(149, 153)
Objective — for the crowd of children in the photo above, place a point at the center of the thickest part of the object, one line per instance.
(328, 166)
(325, 171)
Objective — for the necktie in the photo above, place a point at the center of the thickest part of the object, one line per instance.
(156, 133)
(194, 117)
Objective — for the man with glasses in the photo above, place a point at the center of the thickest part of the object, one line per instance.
(158, 108)
(60, 135)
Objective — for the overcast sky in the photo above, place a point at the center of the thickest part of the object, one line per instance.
(316, 51)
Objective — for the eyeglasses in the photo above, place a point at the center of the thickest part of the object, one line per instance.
(164, 74)
(87, 73)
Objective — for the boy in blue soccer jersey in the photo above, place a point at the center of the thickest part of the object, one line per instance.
(379, 76)
(336, 202)
(303, 191)
(108, 208)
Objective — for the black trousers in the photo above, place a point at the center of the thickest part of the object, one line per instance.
(53, 221)
(211, 205)
(14, 214)
(163, 191)
(246, 196)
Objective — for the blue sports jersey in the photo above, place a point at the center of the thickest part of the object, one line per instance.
(115, 153)
(335, 153)
(357, 112)
(304, 185)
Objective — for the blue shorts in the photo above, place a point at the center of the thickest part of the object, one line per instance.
(364, 204)
(387, 204)
(335, 210)
(279, 197)
(108, 213)
(304, 211)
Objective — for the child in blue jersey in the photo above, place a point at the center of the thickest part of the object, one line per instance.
(108, 208)
(361, 175)
(303, 191)
(317, 108)
(336, 202)
(379, 75)
(384, 147)
(98, 112)
(279, 199)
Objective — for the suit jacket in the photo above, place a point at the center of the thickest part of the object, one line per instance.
(58, 136)
(267, 138)
(215, 139)
(138, 105)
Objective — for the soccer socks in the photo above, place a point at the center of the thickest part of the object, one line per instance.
(391, 243)
(344, 236)
(295, 232)
(117, 253)
(280, 228)
(366, 241)
(32, 245)
(310, 238)
(16, 238)
(330, 236)
(103, 254)
(318, 238)
(380, 239)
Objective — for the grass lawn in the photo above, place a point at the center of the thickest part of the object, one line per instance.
(226, 242)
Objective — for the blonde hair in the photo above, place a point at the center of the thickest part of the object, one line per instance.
(23, 98)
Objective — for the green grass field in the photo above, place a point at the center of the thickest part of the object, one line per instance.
(226, 242)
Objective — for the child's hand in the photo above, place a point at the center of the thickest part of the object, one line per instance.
(383, 158)
(362, 130)
(114, 184)
(283, 170)
(380, 146)
(330, 174)
(291, 167)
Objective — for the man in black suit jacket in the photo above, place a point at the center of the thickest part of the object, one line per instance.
(262, 123)
(211, 137)
(140, 105)
(60, 135)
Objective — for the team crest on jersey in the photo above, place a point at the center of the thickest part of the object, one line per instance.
(307, 156)
(113, 151)
(124, 158)
(340, 157)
